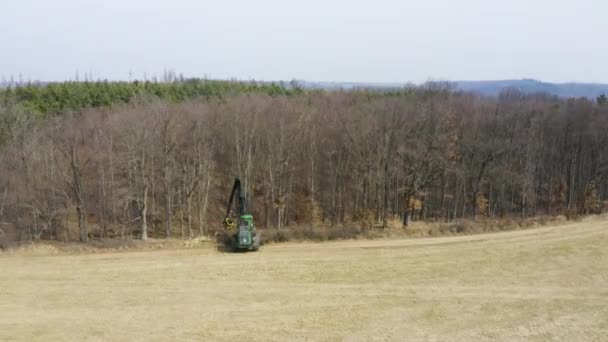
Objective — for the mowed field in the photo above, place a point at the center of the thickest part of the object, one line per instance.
(542, 284)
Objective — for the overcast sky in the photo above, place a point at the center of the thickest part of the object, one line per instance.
(320, 40)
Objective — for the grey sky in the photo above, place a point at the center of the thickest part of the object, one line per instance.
(374, 41)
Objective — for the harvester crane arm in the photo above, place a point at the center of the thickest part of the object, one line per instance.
(240, 201)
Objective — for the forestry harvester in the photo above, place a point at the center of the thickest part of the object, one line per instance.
(240, 235)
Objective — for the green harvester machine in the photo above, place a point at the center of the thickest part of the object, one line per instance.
(241, 235)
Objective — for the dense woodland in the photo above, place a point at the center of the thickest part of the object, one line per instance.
(140, 159)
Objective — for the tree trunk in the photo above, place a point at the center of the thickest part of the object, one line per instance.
(78, 191)
(111, 152)
(168, 197)
(82, 223)
(206, 199)
(143, 213)
(385, 195)
(189, 215)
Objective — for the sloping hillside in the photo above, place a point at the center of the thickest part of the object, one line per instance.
(532, 285)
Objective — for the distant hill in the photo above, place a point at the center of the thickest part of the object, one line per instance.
(494, 88)
(487, 88)
(6, 84)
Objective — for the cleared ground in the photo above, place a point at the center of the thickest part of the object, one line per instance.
(534, 285)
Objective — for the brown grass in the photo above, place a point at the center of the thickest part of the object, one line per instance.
(542, 284)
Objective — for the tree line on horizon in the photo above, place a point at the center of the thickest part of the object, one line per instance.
(130, 159)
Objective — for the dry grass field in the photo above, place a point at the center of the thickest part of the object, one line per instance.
(542, 284)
